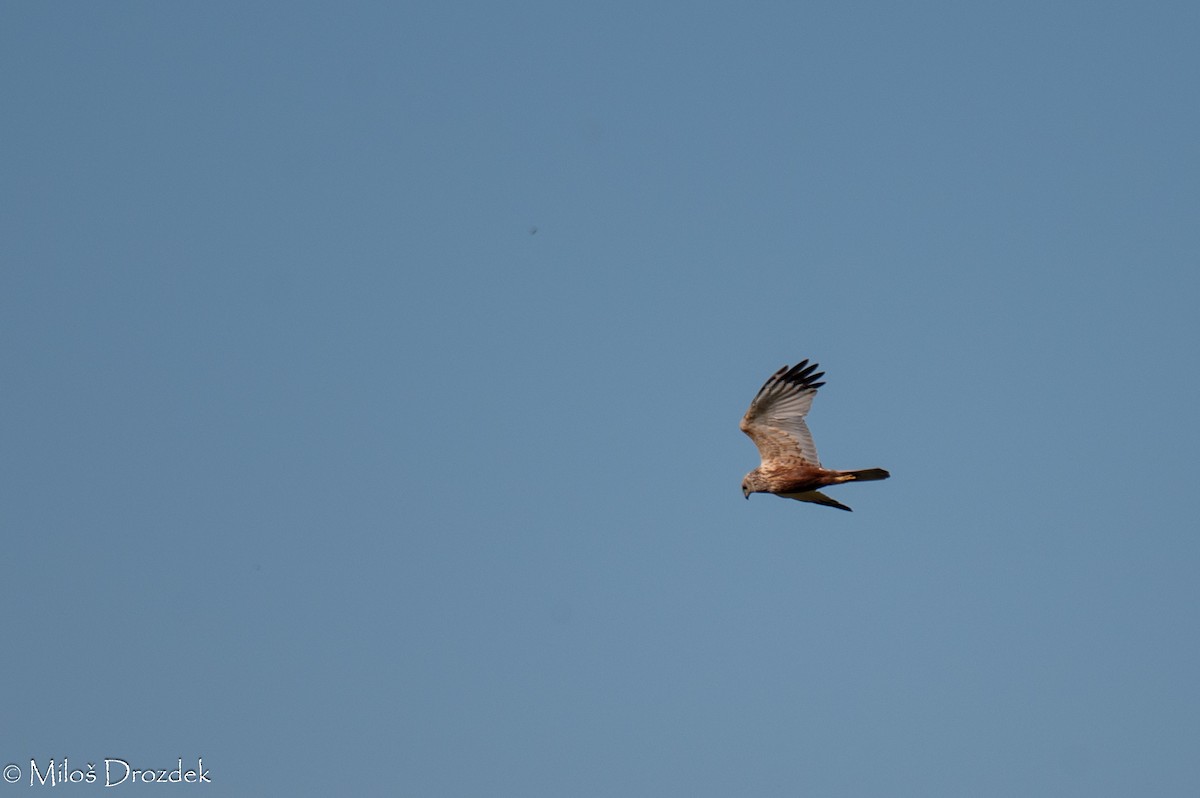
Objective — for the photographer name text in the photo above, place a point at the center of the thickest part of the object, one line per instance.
(114, 773)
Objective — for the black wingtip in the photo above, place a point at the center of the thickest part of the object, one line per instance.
(802, 375)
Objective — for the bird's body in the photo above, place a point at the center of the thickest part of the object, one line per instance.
(775, 422)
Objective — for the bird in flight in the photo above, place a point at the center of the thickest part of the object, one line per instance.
(775, 422)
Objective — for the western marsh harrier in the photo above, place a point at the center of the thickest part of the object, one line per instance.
(775, 422)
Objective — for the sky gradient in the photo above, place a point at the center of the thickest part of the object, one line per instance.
(372, 374)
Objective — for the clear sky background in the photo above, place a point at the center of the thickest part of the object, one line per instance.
(371, 378)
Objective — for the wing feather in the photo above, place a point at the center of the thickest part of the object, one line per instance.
(816, 497)
(775, 420)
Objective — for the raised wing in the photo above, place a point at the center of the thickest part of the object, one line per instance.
(775, 420)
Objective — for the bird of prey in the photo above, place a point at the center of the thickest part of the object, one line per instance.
(775, 422)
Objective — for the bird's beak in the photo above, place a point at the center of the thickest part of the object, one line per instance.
(746, 493)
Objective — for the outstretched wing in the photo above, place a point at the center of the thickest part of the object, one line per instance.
(816, 497)
(775, 420)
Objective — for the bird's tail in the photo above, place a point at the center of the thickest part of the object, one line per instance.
(865, 475)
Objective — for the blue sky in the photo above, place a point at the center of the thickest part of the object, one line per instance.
(372, 375)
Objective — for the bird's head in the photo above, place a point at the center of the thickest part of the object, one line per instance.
(750, 484)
